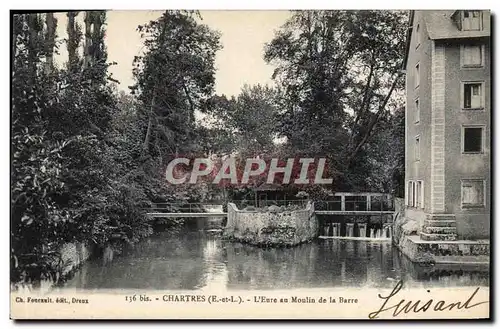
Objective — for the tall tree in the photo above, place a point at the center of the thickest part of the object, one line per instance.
(74, 38)
(50, 41)
(338, 72)
(38, 224)
(94, 52)
(70, 181)
(174, 78)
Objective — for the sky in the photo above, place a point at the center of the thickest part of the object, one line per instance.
(244, 34)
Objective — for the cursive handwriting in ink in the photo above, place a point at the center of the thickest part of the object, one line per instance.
(419, 305)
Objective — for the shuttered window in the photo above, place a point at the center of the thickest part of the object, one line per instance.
(472, 193)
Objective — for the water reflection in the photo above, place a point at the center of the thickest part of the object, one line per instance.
(201, 260)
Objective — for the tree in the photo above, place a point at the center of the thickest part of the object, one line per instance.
(338, 73)
(50, 41)
(174, 78)
(245, 124)
(74, 38)
(38, 224)
(71, 179)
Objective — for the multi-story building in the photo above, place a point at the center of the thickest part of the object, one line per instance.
(448, 126)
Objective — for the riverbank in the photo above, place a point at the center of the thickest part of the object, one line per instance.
(430, 252)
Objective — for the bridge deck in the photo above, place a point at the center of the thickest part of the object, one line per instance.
(186, 214)
(223, 214)
(349, 212)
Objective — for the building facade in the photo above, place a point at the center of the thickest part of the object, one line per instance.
(448, 126)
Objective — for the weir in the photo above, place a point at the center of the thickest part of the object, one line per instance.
(344, 215)
(356, 231)
(362, 229)
(350, 230)
(340, 203)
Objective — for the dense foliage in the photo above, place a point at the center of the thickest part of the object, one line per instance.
(339, 76)
(87, 159)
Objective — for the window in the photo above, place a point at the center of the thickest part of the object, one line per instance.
(409, 194)
(472, 139)
(415, 194)
(472, 193)
(417, 75)
(417, 110)
(472, 20)
(417, 148)
(417, 35)
(472, 55)
(419, 194)
(473, 95)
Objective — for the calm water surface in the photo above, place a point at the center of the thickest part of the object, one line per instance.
(196, 259)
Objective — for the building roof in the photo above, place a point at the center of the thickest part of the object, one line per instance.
(440, 25)
(408, 38)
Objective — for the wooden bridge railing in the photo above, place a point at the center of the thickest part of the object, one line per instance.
(357, 202)
(266, 203)
(188, 207)
(339, 202)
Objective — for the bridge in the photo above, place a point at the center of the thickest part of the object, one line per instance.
(341, 203)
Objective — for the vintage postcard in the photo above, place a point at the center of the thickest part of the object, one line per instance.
(182, 164)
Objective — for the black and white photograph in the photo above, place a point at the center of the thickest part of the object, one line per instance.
(250, 164)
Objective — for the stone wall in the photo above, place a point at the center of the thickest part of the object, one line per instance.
(282, 228)
(402, 224)
(73, 255)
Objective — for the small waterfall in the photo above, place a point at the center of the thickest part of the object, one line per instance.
(326, 230)
(362, 230)
(387, 231)
(350, 230)
(336, 231)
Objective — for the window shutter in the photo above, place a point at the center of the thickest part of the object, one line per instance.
(482, 92)
(407, 199)
(472, 193)
(475, 22)
(475, 55)
(414, 195)
(462, 95)
(466, 24)
(422, 194)
(475, 99)
(467, 55)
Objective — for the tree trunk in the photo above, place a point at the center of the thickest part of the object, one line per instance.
(33, 46)
(73, 40)
(87, 54)
(50, 42)
(147, 139)
(374, 120)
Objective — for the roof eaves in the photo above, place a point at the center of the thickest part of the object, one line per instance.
(408, 38)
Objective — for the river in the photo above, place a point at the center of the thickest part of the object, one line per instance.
(197, 258)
